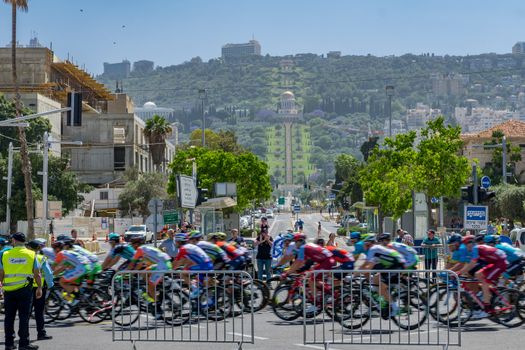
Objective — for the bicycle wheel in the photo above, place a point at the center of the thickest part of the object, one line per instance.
(215, 303)
(284, 305)
(351, 310)
(176, 308)
(95, 306)
(56, 307)
(506, 304)
(412, 310)
(127, 311)
(258, 297)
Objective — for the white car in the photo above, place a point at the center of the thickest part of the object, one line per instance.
(517, 237)
(137, 231)
(269, 214)
(244, 222)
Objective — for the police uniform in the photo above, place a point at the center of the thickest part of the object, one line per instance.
(17, 265)
(46, 274)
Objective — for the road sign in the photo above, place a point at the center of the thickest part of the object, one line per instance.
(281, 200)
(155, 202)
(150, 223)
(476, 217)
(297, 208)
(485, 182)
(171, 217)
(331, 196)
(186, 191)
(434, 200)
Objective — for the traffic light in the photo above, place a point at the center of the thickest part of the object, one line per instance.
(202, 195)
(74, 116)
(305, 186)
(484, 195)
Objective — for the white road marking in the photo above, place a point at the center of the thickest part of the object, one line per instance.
(248, 336)
(314, 347)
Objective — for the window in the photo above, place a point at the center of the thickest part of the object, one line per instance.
(119, 158)
(104, 195)
(119, 135)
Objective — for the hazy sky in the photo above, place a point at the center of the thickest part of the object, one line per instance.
(173, 31)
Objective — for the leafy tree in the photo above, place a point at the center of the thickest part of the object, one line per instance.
(368, 146)
(245, 169)
(137, 193)
(156, 131)
(347, 169)
(63, 185)
(495, 169)
(225, 140)
(510, 201)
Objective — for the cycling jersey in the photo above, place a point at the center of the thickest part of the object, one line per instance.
(343, 257)
(215, 253)
(495, 261)
(384, 258)
(125, 251)
(194, 254)
(359, 248)
(513, 254)
(408, 253)
(49, 253)
(82, 251)
(231, 250)
(291, 249)
(463, 255)
(76, 265)
(151, 256)
(313, 252)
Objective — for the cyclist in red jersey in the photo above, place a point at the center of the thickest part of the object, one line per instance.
(495, 264)
(344, 258)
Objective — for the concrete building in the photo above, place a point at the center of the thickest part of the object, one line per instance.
(398, 127)
(251, 48)
(143, 67)
(519, 48)
(117, 70)
(448, 84)
(417, 118)
(514, 130)
(477, 119)
(334, 54)
(149, 109)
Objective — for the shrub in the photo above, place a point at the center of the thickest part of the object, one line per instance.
(341, 231)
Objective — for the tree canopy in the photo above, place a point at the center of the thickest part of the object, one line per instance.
(156, 131)
(139, 190)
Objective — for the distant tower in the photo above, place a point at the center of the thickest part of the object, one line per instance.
(289, 111)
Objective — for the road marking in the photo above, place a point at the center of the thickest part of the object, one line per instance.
(248, 336)
(314, 347)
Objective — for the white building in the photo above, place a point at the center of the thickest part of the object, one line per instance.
(398, 127)
(418, 117)
(149, 109)
(477, 119)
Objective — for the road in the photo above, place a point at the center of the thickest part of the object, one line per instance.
(270, 332)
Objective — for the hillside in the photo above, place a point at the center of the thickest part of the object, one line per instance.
(343, 98)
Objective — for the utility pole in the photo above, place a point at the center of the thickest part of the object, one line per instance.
(45, 180)
(203, 95)
(504, 158)
(9, 185)
(389, 93)
(475, 183)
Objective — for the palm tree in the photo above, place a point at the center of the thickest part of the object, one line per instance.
(156, 131)
(26, 163)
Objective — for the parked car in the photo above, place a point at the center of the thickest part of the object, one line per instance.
(517, 236)
(269, 214)
(244, 222)
(349, 221)
(138, 231)
(363, 225)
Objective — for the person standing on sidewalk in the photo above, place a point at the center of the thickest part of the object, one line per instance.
(264, 257)
(18, 269)
(430, 245)
(46, 273)
(168, 246)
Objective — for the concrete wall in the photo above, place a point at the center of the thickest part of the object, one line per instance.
(34, 66)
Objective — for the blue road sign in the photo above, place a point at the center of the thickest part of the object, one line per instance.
(297, 208)
(331, 196)
(485, 182)
(434, 200)
(476, 217)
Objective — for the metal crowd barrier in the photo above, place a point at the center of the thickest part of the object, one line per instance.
(219, 311)
(432, 258)
(346, 307)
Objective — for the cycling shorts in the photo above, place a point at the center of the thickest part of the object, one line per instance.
(392, 277)
(492, 272)
(207, 266)
(479, 265)
(75, 274)
(348, 266)
(238, 263)
(327, 264)
(515, 268)
(155, 278)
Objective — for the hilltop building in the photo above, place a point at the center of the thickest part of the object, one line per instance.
(519, 48)
(251, 48)
(448, 84)
(117, 70)
(149, 109)
(418, 117)
(143, 67)
(476, 119)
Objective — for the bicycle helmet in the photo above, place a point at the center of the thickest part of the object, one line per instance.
(384, 237)
(320, 241)
(299, 237)
(370, 239)
(220, 235)
(455, 238)
(355, 235)
(64, 237)
(288, 237)
(468, 239)
(115, 237)
(33, 244)
(3, 241)
(57, 244)
(491, 239)
(181, 237)
(138, 240)
(195, 234)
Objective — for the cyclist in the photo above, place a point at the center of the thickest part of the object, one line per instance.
(515, 256)
(344, 258)
(192, 258)
(4, 245)
(236, 254)
(321, 258)
(118, 250)
(95, 267)
(75, 267)
(408, 253)
(218, 257)
(356, 240)
(49, 253)
(487, 267)
(149, 258)
(379, 257)
(288, 250)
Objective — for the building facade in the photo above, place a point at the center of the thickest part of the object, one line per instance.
(117, 70)
(519, 48)
(251, 48)
(143, 66)
(149, 109)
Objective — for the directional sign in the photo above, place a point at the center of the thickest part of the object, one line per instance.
(434, 200)
(281, 200)
(155, 202)
(297, 208)
(150, 223)
(187, 191)
(485, 182)
(171, 217)
(331, 196)
(476, 217)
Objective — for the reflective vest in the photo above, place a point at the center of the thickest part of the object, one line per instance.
(18, 268)
(41, 259)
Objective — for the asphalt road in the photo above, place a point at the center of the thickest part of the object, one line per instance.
(270, 332)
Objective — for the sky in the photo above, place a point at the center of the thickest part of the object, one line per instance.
(173, 31)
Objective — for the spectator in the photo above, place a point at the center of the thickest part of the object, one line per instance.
(168, 245)
(264, 225)
(264, 257)
(331, 240)
(319, 229)
(430, 245)
(236, 238)
(74, 235)
(404, 237)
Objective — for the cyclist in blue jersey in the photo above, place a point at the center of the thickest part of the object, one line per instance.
(515, 256)
(357, 240)
(118, 251)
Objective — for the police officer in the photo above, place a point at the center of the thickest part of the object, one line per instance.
(46, 273)
(18, 269)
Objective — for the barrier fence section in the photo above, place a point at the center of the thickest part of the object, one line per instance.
(371, 307)
(432, 258)
(217, 308)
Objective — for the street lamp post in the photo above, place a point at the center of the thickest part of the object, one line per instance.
(389, 89)
(203, 95)
(9, 185)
